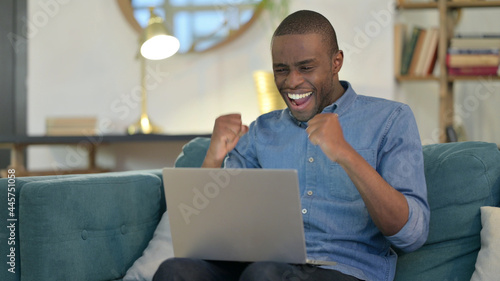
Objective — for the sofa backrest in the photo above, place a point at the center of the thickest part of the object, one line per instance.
(461, 177)
(193, 153)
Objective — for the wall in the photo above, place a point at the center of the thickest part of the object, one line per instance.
(82, 62)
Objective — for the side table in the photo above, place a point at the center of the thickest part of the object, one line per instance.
(18, 145)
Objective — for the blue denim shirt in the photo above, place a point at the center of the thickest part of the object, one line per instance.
(336, 221)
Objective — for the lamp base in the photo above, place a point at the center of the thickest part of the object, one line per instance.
(143, 126)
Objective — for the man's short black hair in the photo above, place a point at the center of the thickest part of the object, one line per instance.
(306, 22)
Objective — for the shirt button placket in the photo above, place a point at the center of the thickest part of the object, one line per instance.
(310, 183)
(310, 160)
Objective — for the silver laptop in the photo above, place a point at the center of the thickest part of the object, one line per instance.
(244, 215)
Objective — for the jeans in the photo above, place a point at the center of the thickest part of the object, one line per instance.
(194, 269)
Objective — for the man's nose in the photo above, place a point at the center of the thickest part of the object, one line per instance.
(294, 79)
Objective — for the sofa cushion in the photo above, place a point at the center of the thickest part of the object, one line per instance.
(461, 177)
(66, 222)
(159, 249)
(488, 259)
(193, 153)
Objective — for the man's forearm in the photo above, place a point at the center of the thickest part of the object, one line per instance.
(387, 207)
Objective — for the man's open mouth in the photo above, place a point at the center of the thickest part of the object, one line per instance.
(299, 99)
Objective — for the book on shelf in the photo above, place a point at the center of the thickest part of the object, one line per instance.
(478, 35)
(71, 132)
(473, 71)
(462, 60)
(419, 54)
(399, 42)
(429, 53)
(475, 41)
(409, 50)
(466, 0)
(491, 51)
(70, 126)
(474, 54)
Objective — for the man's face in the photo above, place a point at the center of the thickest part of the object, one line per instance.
(304, 73)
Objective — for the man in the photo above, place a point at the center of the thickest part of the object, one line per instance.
(359, 161)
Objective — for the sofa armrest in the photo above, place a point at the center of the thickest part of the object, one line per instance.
(90, 227)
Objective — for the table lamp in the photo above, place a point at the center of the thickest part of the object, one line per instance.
(156, 44)
(268, 96)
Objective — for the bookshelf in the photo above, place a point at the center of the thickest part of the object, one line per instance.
(446, 28)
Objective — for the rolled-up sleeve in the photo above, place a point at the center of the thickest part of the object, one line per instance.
(401, 165)
(414, 234)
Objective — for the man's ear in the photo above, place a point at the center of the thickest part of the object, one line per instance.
(337, 61)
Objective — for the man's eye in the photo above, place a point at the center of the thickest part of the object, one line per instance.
(307, 68)
(279, 70)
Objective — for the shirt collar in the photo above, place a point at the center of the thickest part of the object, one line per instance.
(339, 106)
(344, 102)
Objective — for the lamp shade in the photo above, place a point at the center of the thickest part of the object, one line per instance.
(157, 44)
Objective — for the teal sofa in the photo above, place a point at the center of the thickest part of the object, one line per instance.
(94, 227)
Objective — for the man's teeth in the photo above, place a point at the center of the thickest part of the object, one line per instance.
(298, 96)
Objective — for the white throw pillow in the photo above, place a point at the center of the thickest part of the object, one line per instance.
(158, 250)
(488, 259)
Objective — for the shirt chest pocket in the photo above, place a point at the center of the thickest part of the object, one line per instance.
(339, 183)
